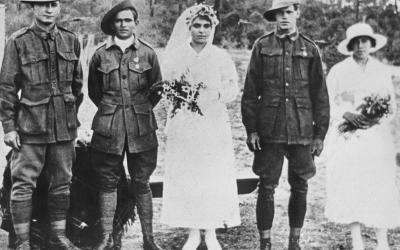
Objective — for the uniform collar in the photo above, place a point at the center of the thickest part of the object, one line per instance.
(111, 42)
(44, 34)
(292, 36)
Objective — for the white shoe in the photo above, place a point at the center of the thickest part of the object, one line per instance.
(193, 240)
(211, 240)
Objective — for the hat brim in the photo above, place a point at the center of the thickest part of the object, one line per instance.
(270, 15)
(380, 42)
(108, 19)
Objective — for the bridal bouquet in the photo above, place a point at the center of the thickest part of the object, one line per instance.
(182, 93)
(374, 107)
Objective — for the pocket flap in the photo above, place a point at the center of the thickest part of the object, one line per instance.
(107, 109)
(304, 53)
(303, 102)
(271, 51)
(272, 101)
(139, 67)
(107, 68)
(32, 58)
(32, 103)
(142, 108)
(68, 56)
(69, 98)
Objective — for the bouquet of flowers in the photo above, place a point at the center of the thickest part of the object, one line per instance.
(181, 93)
(374, 107)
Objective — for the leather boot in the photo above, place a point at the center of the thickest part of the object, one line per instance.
(58, 239)
(265, 244)
(145, 211)
(23, 245)
(108, 203)
(57, 205)
(265, 239)
(21, 212)
(294, 243)
(22, 236)
(117, 238)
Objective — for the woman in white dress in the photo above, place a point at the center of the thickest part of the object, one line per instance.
(200, 189)
(361, 168)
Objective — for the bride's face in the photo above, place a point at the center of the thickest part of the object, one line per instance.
(200, 30)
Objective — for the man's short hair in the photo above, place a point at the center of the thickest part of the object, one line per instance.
(134, 13)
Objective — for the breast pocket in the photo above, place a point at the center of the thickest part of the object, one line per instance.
(110, 76)
(272, 59)
(34, 67)
(139, 74)
(66, 64)
(302, 62)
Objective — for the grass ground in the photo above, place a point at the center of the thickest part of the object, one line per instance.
(318, 233)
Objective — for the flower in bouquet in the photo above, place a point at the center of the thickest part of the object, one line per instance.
(182, 93)
(373, 107)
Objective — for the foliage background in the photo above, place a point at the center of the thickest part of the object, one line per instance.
(241, 21)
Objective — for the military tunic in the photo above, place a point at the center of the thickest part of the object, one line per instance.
(119, 85)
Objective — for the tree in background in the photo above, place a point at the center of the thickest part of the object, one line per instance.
(241, 21)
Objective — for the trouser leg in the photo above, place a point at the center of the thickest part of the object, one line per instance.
(60, 157)
(107, 171)
(301, 168)
(268, 165)
(26, 166)
(141, 166)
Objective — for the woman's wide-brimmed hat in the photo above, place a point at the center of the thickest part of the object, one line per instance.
(276, 5)
(357, 30)
(107, 21)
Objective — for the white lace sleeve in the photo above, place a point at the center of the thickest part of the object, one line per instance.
(229, 78)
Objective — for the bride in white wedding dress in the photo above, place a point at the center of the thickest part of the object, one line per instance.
(200, 189)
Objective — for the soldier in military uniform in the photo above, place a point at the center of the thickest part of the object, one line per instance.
(41, 61)
(121, 73)
(285, 110)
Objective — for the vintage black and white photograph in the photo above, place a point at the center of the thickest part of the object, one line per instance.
(200, 124)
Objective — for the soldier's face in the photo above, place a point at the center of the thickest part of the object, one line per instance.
(46, 13)
(200, 30)
(286, 18)
(124, 24)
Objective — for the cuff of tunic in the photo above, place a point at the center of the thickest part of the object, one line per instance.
(319, 136)
(250, 130)
(8, 126)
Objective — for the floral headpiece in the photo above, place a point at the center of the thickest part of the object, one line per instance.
(202, 10)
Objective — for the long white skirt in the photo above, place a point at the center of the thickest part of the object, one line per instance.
(361, 179)
(200, 188)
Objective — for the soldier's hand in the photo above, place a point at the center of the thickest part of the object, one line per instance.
(253, 142)
(317, 146)
(12, 139)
